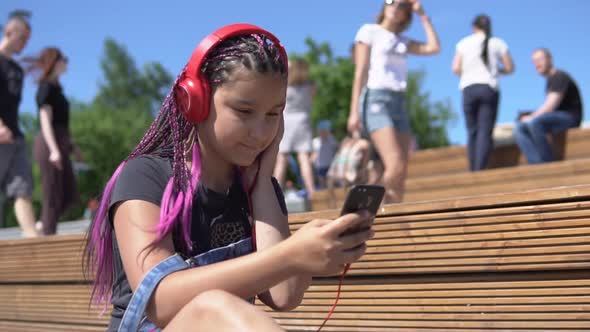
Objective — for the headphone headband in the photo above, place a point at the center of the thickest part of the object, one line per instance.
(192, 93)
(208, 43)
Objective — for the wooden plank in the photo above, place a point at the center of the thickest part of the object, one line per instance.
(498, 187)
(527, 197)
(501, 175)
(561, 300)
(454, 323)
(476, 317)
(469, 252)
(495, 282)
(461, 216)
(14, 326)
(512, 179)
(453, 159)
(419, 329)
(550, 236)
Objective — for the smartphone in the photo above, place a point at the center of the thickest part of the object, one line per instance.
(363, 197)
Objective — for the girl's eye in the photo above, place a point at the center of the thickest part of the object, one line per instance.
(273, 114)
(244, 111)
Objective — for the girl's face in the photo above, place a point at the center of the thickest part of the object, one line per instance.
(397, 11)
(244, 117)
(61, 66)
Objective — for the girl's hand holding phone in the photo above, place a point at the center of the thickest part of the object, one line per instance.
(323, 247)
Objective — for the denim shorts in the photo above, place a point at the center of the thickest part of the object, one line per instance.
(382, 108)
(134, 318)
(298, 134)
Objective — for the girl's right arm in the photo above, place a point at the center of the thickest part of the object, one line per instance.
(362, 53)
(316, 249)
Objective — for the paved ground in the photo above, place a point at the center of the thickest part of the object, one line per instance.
(67, 227)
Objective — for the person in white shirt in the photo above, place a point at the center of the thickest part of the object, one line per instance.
(378, 92)
(298, 131)
(479, 59)
(325, 147)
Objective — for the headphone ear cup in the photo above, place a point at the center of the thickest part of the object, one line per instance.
(192, 97)
(201, 100)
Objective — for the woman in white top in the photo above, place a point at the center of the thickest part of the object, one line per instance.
(298, 134)
(378, 91)
(477, 62)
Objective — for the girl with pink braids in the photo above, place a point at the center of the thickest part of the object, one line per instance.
(172, 246)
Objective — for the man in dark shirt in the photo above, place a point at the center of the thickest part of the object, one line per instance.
(561, 110)
(16, 180)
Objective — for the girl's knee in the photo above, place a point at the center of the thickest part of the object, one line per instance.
(212, 309)
(212, 303)
(217, 297)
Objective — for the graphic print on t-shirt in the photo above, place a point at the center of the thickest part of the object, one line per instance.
(226, 233)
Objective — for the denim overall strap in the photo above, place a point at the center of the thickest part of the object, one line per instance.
(141, 296)
(236, 249)
(134, 314)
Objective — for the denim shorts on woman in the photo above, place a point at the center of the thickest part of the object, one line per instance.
(381, 108)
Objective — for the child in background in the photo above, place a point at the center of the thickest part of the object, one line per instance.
(298, 131)
(325, 147)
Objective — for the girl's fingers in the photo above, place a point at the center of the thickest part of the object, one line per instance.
(354, 240)
(347, 222)
(354, 254)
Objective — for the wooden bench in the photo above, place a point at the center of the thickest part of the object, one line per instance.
(528, 177)
(505, 262)
(453, 159)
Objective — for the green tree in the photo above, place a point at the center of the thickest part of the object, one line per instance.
(106, 137)
(429, 120)
(124, 86)
(333, 77)
(109, 127)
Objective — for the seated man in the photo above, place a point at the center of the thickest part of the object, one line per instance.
(561, 110)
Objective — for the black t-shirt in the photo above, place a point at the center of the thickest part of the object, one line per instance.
(562, 82)
(11, 87)
(51, 94)
(217, 219)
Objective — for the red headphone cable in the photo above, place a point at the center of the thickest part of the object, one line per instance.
(248, 190)
(340, 281)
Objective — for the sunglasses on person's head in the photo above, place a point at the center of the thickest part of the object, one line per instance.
(401, 4)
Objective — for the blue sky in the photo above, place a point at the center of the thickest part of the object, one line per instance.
(167, 31)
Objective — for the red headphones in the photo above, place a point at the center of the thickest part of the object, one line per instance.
(193, 92)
